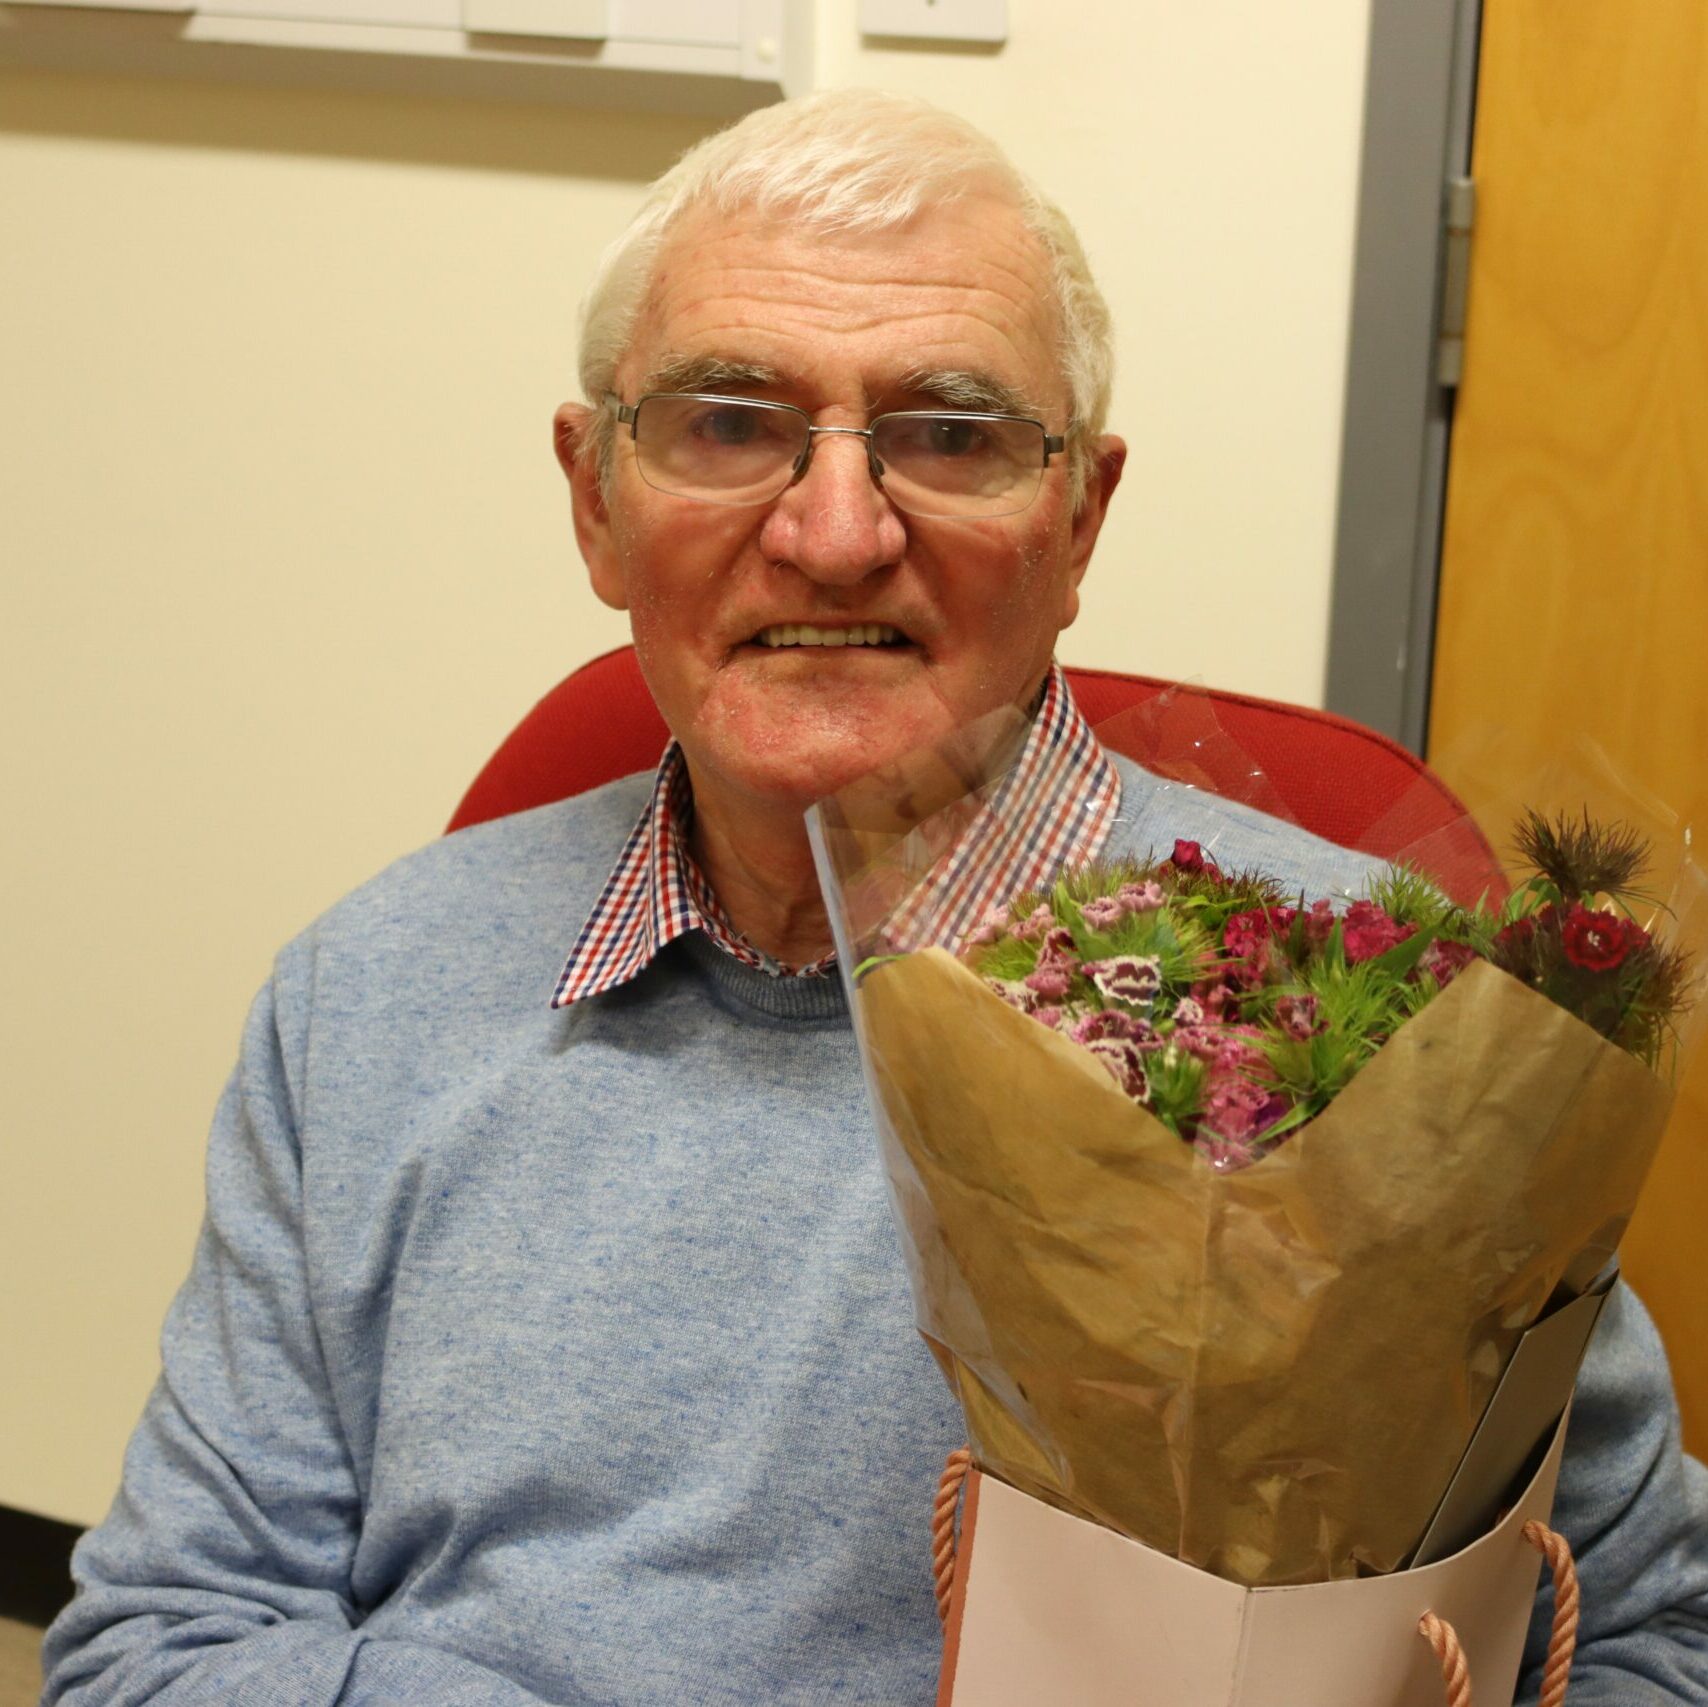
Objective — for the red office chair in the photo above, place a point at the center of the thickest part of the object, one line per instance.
(1336, 778)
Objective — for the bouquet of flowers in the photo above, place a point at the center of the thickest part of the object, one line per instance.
(1226, 1208)
(1236, 1017)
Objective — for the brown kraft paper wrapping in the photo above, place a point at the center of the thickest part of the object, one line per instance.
(1270, 1374)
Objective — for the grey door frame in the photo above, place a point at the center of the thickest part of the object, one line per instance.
(1418, 113)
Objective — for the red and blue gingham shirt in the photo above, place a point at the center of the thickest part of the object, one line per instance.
(1054, 809)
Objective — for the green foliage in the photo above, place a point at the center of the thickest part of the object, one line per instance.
(1010, 958)
(1404, 893)
(1177, 1088)
(1178, 940)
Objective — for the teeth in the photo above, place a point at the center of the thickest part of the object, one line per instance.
(804, 634)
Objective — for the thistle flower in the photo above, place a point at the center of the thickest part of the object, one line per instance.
(1581, 858)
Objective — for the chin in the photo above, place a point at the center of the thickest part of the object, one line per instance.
(804, 753)
(798, 773)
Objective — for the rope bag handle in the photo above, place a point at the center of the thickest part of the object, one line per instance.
(949, 1486)
(1441, 1636)
(1562, 1639)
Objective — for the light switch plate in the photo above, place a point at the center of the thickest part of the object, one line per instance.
(573, 20)
(936, 20)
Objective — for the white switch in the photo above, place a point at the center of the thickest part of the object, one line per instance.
(936, 20)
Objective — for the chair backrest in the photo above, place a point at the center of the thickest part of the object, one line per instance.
(1332, 776)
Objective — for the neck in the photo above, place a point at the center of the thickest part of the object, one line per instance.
(758, 862)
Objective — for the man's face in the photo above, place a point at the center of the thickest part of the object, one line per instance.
(845, 327)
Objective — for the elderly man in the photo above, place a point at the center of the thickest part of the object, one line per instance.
(547, 1339)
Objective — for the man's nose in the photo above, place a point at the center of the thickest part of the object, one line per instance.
(834, 523)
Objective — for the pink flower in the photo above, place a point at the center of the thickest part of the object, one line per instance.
(1188, 1012)
(1141, 897)
(1112, 1022)
(989, 928)
(1299, 1016)
(1051, 979)
(1035, 923)
(1126, 1065)
(1444, 961)
(1319, 923)
(1368, 932)
(1058, 944)
(1052, 1017)
(1127, 978)
(1014, 992)
(1232, 1107)
(1250, 938)
(1202, 1042)
(1238, 1051)
(1103, 913)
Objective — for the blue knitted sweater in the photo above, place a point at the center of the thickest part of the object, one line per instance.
(567, 1356)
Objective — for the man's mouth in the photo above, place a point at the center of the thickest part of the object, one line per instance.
(806, 634)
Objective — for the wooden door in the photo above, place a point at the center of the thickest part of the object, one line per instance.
(1574, 580)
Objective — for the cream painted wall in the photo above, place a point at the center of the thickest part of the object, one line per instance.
(285, 550)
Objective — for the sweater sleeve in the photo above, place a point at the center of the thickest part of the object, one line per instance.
(1635, 1510)
(223, 1572)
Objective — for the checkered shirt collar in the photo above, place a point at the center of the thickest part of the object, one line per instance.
(1057, 808)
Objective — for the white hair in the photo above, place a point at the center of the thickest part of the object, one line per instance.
(846, 160)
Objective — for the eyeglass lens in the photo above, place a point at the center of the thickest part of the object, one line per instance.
(732, 451)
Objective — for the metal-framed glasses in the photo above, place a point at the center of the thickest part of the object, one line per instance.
(928, 462)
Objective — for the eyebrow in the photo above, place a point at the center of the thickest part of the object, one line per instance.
(706, 373)
(956, 388)
(961, 389)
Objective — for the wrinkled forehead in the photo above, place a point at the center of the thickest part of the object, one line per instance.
(961, 287)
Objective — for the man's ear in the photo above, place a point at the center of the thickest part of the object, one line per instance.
(1103, 464)
(571, 426)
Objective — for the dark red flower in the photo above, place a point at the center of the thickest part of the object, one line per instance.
(1189, 857)
(1595, 941)
(1514, 940)
(1444, 961)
